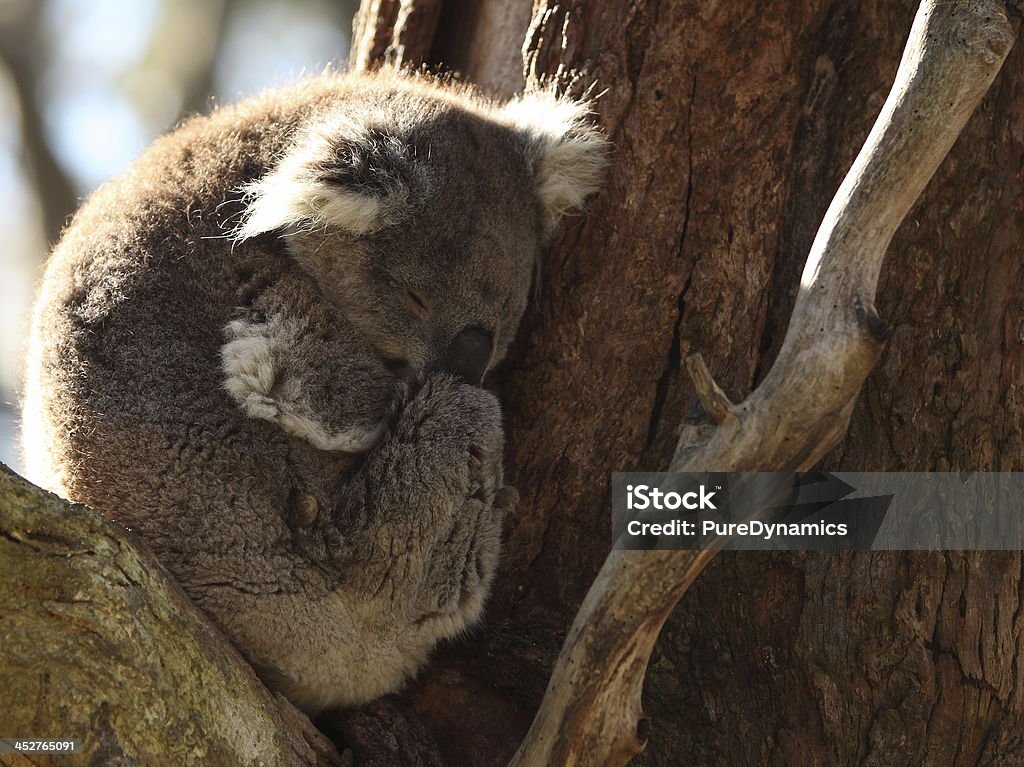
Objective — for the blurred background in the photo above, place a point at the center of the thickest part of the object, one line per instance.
(85, 86)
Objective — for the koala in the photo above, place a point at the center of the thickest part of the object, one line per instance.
(261, 349)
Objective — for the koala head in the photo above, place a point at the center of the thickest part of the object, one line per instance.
(421, 209)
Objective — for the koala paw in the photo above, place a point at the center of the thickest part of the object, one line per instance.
(447, 410)
(254, 379)
(460, 425)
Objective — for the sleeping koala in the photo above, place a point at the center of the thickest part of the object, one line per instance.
(261, 350)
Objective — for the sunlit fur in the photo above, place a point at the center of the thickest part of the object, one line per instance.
(569, 152)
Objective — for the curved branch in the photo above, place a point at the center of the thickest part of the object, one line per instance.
(714, 401)
(590, 712)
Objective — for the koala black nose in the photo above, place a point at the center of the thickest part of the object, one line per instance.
(468, 354)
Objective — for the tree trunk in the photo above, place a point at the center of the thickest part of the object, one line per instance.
(733, 125)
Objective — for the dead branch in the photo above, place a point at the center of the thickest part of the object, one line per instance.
(591, 710)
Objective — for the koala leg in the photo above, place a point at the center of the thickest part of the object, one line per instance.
(292, 362)
(410, 545)
(419, 523)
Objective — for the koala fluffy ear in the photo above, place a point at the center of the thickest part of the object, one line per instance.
(336, 176)
(569, 154)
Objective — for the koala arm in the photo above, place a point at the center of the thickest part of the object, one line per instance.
(419, 523)
(293, 360)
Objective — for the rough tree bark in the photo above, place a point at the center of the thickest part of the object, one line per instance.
(771, 658)
(591, 710)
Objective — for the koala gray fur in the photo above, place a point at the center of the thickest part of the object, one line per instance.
(243, 348)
